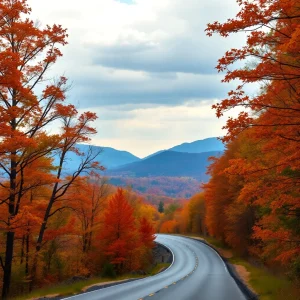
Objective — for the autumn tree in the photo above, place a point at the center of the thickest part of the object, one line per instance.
(227, 218)
(120, 235)
(146, 239)
(23, 115)
(168, 226)
(183, 218)
(274, 113)
(196, 208)
(273, 44)
(76, 129)
(87, 197)
(27, 53)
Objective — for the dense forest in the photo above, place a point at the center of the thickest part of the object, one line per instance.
(251, 201)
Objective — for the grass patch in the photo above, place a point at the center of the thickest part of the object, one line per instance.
(70, 289)
(267, 285)
(158, 268)
(77, 287)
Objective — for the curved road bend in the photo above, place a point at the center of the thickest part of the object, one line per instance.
(197, 272)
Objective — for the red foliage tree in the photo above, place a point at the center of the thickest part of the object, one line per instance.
(146, 233)
(120, 236)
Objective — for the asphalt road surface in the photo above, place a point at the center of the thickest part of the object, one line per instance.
(197, 272)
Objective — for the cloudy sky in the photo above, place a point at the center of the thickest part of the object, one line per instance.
(145, 66)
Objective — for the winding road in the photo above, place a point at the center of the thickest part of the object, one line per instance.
(197, 272)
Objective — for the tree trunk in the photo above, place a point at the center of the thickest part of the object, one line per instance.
(40, 238)
(22, 249)
(36, 254)
(8, 264)
(10, 236)
(27, 255)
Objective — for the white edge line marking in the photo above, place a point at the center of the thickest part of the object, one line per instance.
(128, 282)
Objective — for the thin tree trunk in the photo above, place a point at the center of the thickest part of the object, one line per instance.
(39, 242)
(8, 264)
(22, 250)
(10, 236)
(27, 253)
(91, 234)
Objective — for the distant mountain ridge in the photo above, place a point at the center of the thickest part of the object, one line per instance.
(112, 158)
(108, 157)
(169, 163)
(205, 145)
(160, 163)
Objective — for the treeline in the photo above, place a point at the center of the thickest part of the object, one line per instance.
(176, 187)
(184, 217)
(252, 201)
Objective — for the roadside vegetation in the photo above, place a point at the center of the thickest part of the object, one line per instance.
(68, 289)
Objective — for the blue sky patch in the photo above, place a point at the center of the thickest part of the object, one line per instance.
(126, 1)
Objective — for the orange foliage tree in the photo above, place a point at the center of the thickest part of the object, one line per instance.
(269, 168)
(273, 42)
(23, 115)
(87, 198)
(169, 226)
(228, 219)
(27, 53)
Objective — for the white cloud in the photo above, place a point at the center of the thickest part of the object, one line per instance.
(146, 68)
(145, 130)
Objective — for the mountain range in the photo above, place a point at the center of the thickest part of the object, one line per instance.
(113, 159)
(169, 164)
(108, 157)
(175, 172)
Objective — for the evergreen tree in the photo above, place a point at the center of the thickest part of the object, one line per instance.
(161, 208)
